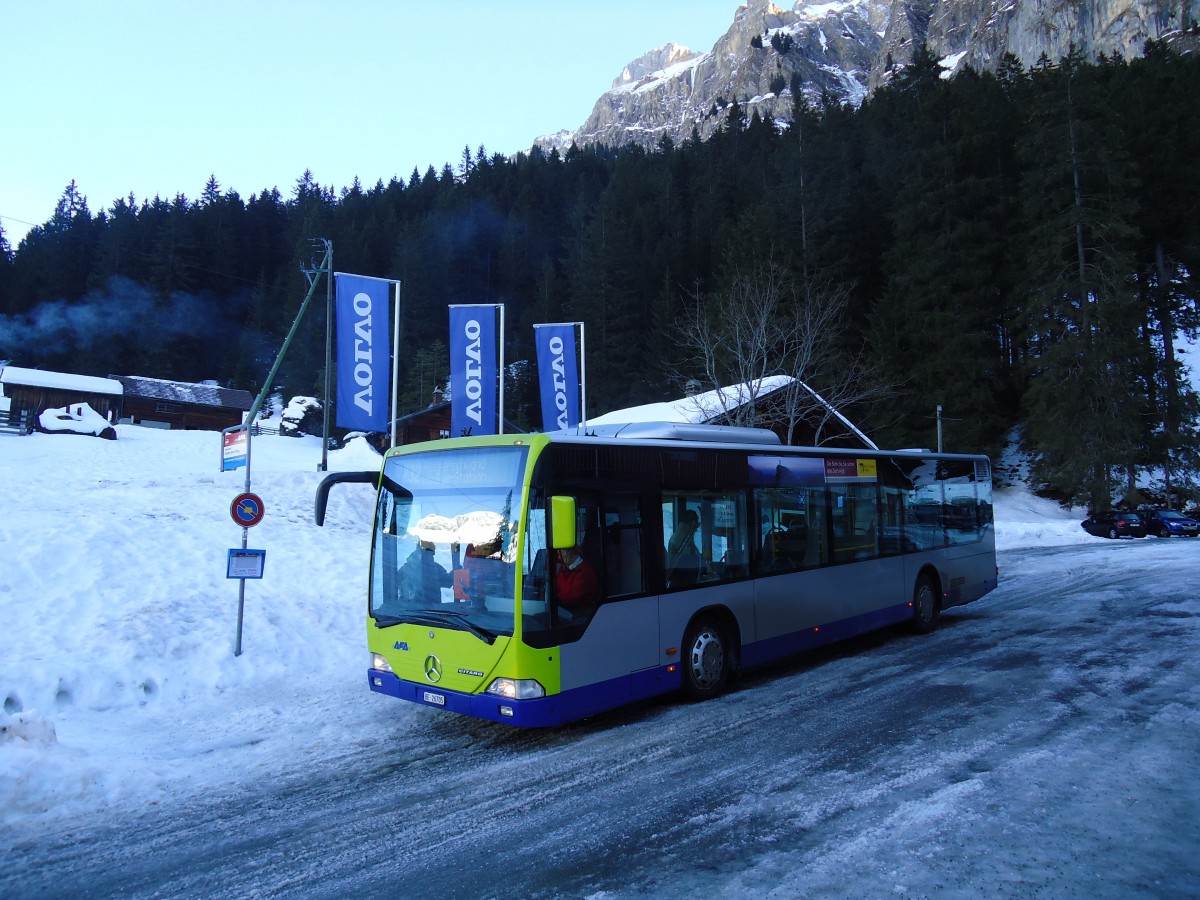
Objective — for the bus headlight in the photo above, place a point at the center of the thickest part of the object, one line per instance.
(516, 688)
(378, 662)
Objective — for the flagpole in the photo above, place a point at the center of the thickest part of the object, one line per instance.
(500, 427)
(328, 353)
(582, 380)
(395, 358)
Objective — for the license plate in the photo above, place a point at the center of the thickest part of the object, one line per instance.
(435, 699)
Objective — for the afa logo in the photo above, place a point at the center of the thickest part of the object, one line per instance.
(400, 645)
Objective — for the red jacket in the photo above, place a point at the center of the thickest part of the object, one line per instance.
(578, 589)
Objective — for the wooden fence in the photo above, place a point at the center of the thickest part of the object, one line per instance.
(16, 421)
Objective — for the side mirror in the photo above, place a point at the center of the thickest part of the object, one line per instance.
(339, 478)
(562, 522)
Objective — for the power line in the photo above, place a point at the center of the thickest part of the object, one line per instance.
(15, 219)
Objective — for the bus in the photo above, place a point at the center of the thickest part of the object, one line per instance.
(787, 548)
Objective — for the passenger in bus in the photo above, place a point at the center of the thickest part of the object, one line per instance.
(470, 581)
(575, 583)
(683, 555)
(422, 577)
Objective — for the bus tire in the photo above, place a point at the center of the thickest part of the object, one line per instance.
(926, 608)
(706, 659)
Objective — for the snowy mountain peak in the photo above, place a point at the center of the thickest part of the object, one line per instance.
(653, 63)
(842, 50)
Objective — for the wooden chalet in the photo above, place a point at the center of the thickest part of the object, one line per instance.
(30, 392)
(429, 424)
(181, 405)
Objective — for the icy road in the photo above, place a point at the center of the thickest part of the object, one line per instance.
(1045, 741)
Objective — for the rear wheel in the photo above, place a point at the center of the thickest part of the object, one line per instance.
(705, 659)
(925, 606)
(1112, 533)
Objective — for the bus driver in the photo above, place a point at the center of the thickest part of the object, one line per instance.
(575, 583)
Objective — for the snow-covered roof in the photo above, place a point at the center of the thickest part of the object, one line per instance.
(698, 409)
(185, 392)
(59, 380)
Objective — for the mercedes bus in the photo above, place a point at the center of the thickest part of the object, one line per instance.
(787, 548)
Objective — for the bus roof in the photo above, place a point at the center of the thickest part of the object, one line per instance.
(726, 436)
(678, 431)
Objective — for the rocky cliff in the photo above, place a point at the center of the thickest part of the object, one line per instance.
(843, 50)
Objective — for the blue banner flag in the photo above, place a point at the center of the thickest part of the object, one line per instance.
(558, 375)
(474, 381)
(363, 346)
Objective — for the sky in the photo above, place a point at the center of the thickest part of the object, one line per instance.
(152, 98)
(123, 701)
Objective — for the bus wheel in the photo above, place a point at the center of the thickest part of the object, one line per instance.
(925, 606)
(706, 660)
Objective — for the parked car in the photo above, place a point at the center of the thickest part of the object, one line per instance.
(1167, 522)
(1115, 524)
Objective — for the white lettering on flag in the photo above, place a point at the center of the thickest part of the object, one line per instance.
(363, 373)
(559, 367)
(474, 372)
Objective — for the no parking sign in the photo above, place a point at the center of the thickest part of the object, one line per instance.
(247, 510)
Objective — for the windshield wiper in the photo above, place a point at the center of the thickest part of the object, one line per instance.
(482, 633)
(438, 619)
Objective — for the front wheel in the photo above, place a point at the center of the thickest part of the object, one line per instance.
(925, 606)
(705, 659)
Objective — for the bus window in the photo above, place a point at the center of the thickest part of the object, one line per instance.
(983, 495)
(893, 486)
(792, 524)
(558, 605)
(923, 511)
(681, 530)
(959, 512)
(623, 545)
(575, 573)
(536, 567)
(707, 537)
(854, 517)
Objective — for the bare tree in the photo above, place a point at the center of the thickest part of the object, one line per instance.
(768, 348)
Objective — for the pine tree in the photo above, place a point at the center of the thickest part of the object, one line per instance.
(1085, 401)
(1159, 105)
(937, 327)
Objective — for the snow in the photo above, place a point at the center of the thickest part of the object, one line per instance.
(653, 80)
(78, 419)
(950, 63)
(60, 380)
(698, 409)
(121, 690)
(120, 621)
(818, 12)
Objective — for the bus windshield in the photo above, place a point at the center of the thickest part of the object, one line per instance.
(444, 552)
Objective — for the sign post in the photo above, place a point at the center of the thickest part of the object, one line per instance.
(246, 510)
(251, 507)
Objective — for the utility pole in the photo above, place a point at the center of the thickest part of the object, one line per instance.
(312, 274)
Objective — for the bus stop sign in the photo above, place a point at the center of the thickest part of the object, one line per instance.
(247, 510)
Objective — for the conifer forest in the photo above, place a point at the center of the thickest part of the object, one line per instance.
(1018, 247)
